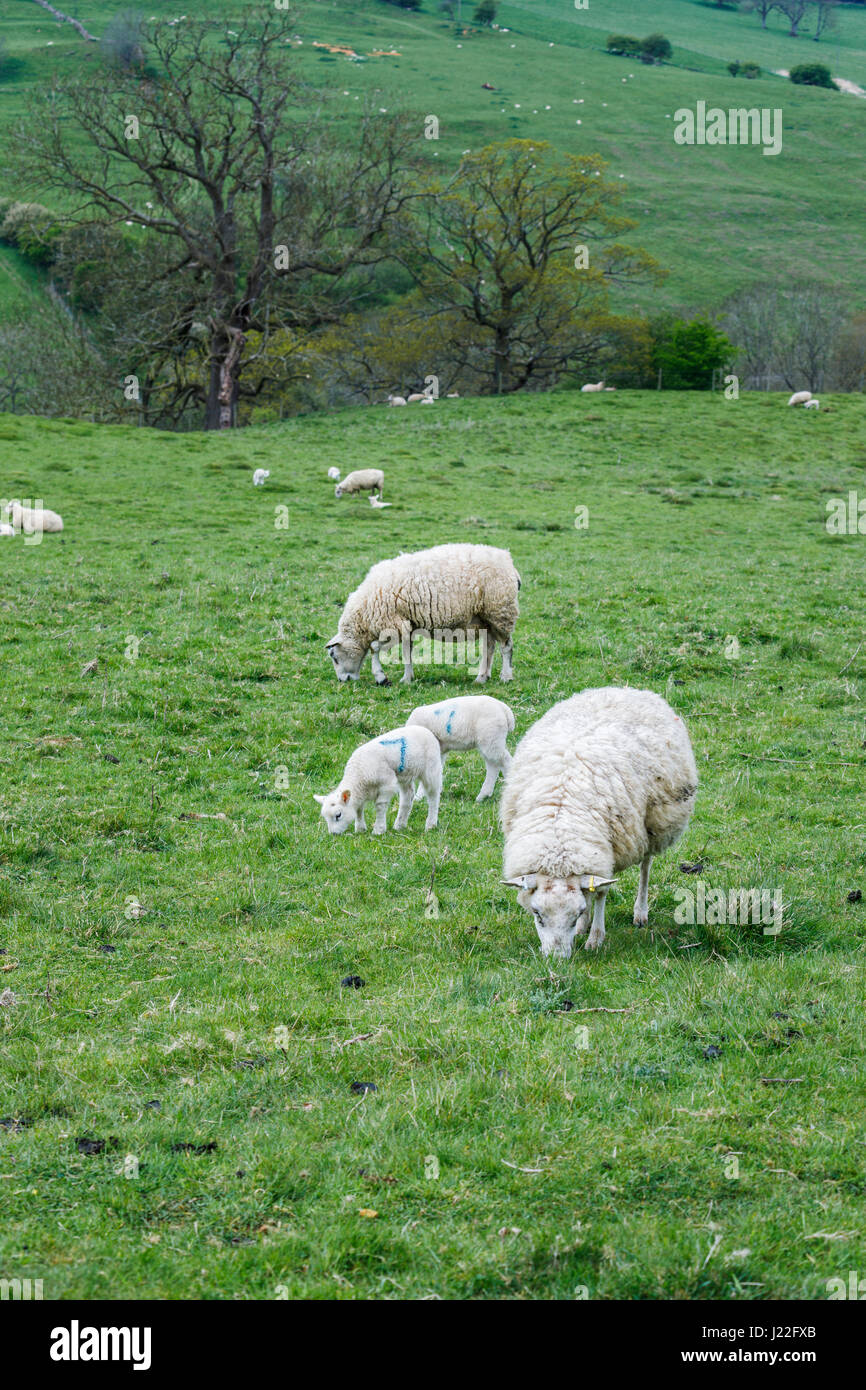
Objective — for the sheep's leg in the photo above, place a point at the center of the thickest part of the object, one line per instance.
(421, 790)
(492, 772)
(433, 794)
(378, 673)
(383, 801)
(405, 805)
(488, 647)
(641, 902)
(507, 648)
(596, 935)
(408, 672)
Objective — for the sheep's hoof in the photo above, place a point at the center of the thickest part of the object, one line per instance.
(506, 679)
(594, 942)
(383, 681)
(640, 919)
(480, 680)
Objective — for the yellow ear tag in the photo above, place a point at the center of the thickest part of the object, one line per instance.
(591, 884)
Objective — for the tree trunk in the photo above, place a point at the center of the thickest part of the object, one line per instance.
(226, 348)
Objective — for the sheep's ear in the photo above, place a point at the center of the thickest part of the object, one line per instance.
(333, 642)
(345, 794)
(593, 883)
(526, 882)
(320, 799)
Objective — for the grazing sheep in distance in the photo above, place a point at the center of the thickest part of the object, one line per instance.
(33, 520)
(813, 404)
(389, 765)
(364, 480)
(604, 780)
(471, 721)
(396, 400)
(598, 386)
(261, 476)
(334, 474)
(456, 590)
(800, 398)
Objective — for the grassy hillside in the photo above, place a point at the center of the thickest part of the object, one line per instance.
(719, 218)
(175, 922)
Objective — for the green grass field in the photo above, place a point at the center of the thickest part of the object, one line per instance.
(719, 218)
(175, 922)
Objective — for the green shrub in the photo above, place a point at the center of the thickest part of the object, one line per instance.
(688, 352)
(812, 75)
(751, 70)
(624, 44)
(655, 48)
(32, 230)
(733, 68)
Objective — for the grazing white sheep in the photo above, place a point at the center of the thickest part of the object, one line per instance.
(800, 398)
(590, 386)
(33, 520)
(334, 474)
(604, 780)
(813, 404)
(260, 477)
(396, 400)
(389, 765)
(471, 721)
(364, 480)
(452, 590)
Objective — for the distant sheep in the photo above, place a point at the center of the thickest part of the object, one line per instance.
(604, 780)
(396, 400)
(813, 404)
(334, 474)
(416, 396)
(364, 480)
(260, 477)
(598, 386)
(33, 520)
(392, 764)
(6, 529)
(467, 722)
(800, 398)
(458, 589)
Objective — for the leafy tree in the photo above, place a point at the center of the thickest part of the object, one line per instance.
(263, 206)
(655, 48)
(496, 253)
(485, 13)
(688, 352)
(624, 44)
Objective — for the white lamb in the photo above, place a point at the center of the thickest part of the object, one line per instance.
(33, 520)
(604, 780)
(334, 474)
(800, 398)
(590, 386)
(471, 721)
(260, 477)
(451, 591)
(813, 404)
(363, 480)
(6, 529)
(396, 400)
(389, 765)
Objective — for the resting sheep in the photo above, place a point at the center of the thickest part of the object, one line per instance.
(364, 480)
(388, 765)
(471, 721)
(604, 780)
(590, 386)
(454, 590)
(396, 400)
(33, 520)
(800, 398)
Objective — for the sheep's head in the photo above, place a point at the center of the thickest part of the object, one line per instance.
(337, 810)
(560, 907)
(338, 491)
(346, 656)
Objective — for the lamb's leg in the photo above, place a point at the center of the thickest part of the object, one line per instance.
(596, 935)
(383, 801)
(432, 779)
(378, 673)
(488, 646)
(405, 805)
(492, 772)
(421, 791)
(641, 902)
(507, 649)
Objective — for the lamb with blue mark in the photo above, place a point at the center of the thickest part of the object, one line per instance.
(392, 764)
(466, 722)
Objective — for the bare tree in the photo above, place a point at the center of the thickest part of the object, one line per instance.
(787, 335)
(795, 12)
(825, 19)
(67, 19)
(762, 7)
(263, 200)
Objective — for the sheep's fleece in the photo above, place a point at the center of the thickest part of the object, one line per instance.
(471, 721)
(604, 780)
(454, 588)
(389, 765)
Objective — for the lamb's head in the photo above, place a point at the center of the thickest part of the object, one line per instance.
(347, 656)
(337, 810)
(560, 907)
